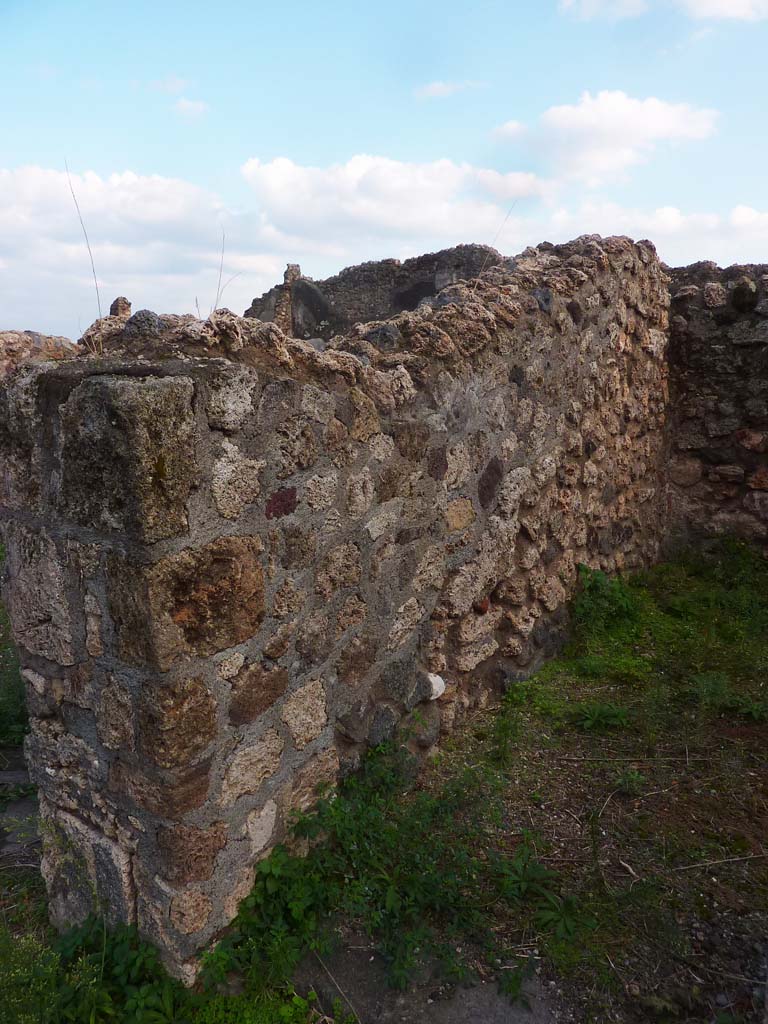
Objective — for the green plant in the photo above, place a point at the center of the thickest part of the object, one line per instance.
(415, 869)
(602, 601)
(115, 974)
(507, 726)
(630, 782)
(599, 716)
(17, 791)
(28, 979)
(561, 916)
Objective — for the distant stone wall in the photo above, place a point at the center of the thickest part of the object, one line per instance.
(718, 430)
(371, 291)
(21, 346)
(235, 560)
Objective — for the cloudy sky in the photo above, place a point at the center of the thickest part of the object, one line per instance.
(330, 133)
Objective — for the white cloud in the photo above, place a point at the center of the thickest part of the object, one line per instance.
(375, 197)
(738, 236)
(598, 138)
(510, 130)
(441, 90)
(171, 84)
(615, 10)
(190, 109)
(741, 10)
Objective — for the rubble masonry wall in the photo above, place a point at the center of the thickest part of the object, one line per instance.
(235, 560)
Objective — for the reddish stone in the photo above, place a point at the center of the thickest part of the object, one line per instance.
(169, 795)
(753, 440)
(197, 602)
(255, 689)
(281, 503)
(759, 479)
(178, 721)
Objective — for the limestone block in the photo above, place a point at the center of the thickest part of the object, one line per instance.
(127, 455)
(320, 490)
(114, 717)
(406, 619)
(296, 446)
(341, 567)
(251, 765)
(166, 794)
(352, 613)
(460, 514)
(229, 396)
(365, 419)
(318, 774)
(190, 911)
(260, 826)
(304, 712)
(360, 492)
(356, 660)
(85, 873)
(235, 481)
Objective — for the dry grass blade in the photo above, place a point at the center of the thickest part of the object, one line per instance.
(85, 235)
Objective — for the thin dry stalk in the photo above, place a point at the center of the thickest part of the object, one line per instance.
(221, 271)
(85, 234)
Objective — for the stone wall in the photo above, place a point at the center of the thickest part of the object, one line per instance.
(371, 291)
(719, 410)
(28, 346)
(235, 559)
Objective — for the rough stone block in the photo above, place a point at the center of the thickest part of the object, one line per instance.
(36, 595)
(197, 602)
(188, 853)
(127, 455)
(177, 721)
(255, 688)
(85, 872)
(251, 765)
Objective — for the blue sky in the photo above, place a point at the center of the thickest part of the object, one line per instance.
(330, 133)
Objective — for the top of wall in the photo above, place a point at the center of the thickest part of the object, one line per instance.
(29, 346)
(369, 291)
(461, 327)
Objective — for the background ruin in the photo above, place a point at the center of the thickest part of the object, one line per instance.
(236, 558)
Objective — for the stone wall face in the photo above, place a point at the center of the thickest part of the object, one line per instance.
(718, 472)
(235, 560)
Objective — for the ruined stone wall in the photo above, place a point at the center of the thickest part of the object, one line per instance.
(234, 560)
(370, 291)
(17, 347)
(719, 408)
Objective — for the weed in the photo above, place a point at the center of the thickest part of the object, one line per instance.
(630, 782)
(598, 716)
(506, 730)
(18, 791)
(601, 601)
